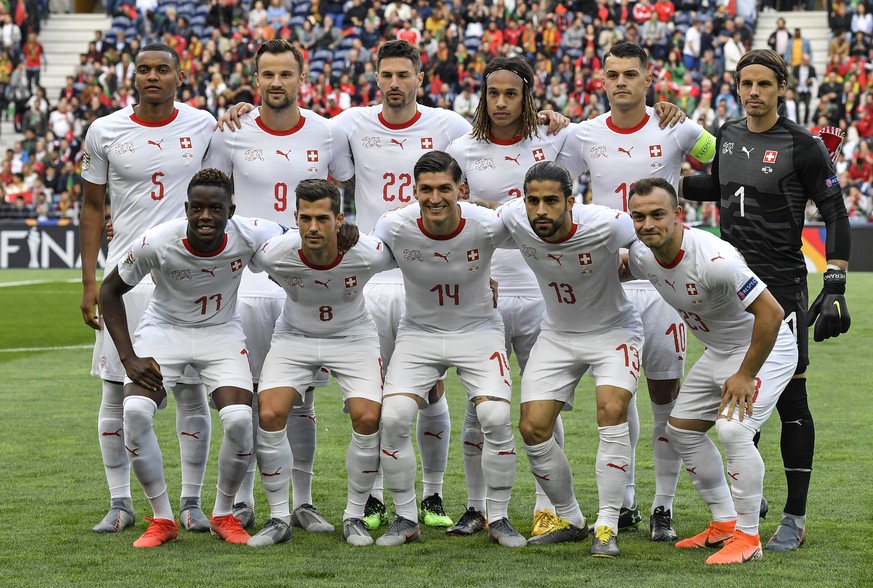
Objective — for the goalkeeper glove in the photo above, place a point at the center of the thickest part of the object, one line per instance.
(829, 311)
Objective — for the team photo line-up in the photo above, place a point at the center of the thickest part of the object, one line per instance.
(468, 246)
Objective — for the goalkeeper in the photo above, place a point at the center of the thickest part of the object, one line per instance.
(765, 169)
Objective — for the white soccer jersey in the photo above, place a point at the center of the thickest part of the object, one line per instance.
(194, 288)
(146, 168)
(323, 301)
(709, 284)
(495, 170)
(446, 277)
(578, 276)
(618, 157)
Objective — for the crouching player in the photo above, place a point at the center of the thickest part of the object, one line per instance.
(749, 359)
(191, 320)
(324, 323)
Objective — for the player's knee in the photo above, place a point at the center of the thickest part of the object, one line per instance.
(611, 414)
(272, 415)
(533, 431)
(139, 415)
(494, 419)
(734, 434)
(397, 414)
(366, 421)
(237, 427)
(663, 391)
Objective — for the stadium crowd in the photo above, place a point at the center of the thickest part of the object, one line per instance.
(694, 48)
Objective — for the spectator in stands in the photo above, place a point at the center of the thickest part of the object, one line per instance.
(806, 80)
(328, 36)
(18, 93)
(20, 209)
(780, 38)
(10, 33)
(34, 60)
(277, 14)
(691, 49)
(840, 20)
(257, 14)
(408, 33)
(466, 102)
(654, 36)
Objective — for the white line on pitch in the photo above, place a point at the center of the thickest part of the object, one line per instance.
(58, 348)
(32, 282)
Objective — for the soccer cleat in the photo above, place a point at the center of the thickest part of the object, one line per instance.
(307, 518)
(629, 518)
(560, 532)
(470, 522)
(375, 513)
(245, 514)
(740, 548)
(160, 531)
(661, 525)
(714, 536)
(604, 543)
(119, 517)
(502, 532)
(399, 532)
(229, 529)
(788, 536)
(432, 513)
(544, 521)
(765, 508)
(275, 531)
(192, 516)
(355, 533)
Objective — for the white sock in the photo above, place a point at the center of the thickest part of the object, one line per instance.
(498, 457)
(612, 467)
(397, 454)
(234, 455)
(302, 430)
(110, 427)
(550, 468)
(274, 461)
(433, 433)
(145, 454)
(362, 461)
(668, 464)
(542, 499)
(703, 462)
(246, 492)
(473, 443)
(378, 489)
(745, 468)
(633, 424)
(193, 426)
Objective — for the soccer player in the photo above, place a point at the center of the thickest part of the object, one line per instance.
(750, 357)
(196, 263)
(766, 168)
(444, 250)
(143, 156)
(573, 252)
(324, 323)
(618, 147)
(277, 147)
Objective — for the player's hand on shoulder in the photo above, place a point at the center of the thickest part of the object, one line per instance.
(144, 372)
(231, 118)
(669, 114)
(829, 311)
(90, 306)
(554, 119)
(347, 237)
(738, 392)
(110, 231)
(493, 284)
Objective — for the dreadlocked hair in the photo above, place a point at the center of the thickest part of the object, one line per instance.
(529, 117)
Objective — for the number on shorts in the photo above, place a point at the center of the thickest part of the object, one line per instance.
(678, 332)
(631, 357)
(757, 389)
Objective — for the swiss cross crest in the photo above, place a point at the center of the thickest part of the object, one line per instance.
(236, 265)
(770, 156)
(351, 281)
(584, 259)
(538, 155)
(691, 289)
(312, 155)
(426, 143)
(655, 151)
(473, 255)
(185, 142)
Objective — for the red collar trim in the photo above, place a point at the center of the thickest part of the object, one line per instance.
(160, 123)
(197, 253)
(400, 127)
(276, 133)
(456, 232)
(512, 141)
(311, 265)
(629, 131)
(675, 261)
(567, 238)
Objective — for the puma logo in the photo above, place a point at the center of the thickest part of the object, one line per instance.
(132, 451)
(510, 452)
(396, 142)
(515, 159)
(116, 433)
(284, 154)
(618, 467)
(671, 284)
(748, 152)
(692, 471)
(626, 151)
(194, 435)
(445, 257)
(717, 257)
(276, 473)
(664, 439)
(437, 435)
(546, 477)
(733, 476)
(249, 454)
(476, 445)
(211, 272)
(306, 416)
(325, 284)
(557, 258)
(389, 454)
(157, 144)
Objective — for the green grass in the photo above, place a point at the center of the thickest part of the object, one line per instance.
(53, 489)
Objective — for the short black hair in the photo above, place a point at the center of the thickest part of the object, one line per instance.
(162, 48)
(313, 190)
(625, 49)
(437, 162)
(212, 177)
(277, 47)
(645, 186)
(546, 171)
(399, 48)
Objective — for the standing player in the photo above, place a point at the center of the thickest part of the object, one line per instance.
(276, 148)
(573, 251)
(766, 168)
(749, 359)
(142, 156)
(618, 147)
(324, 323)
(444, 250)
(196, 263)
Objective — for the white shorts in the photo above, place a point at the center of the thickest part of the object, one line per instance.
(559, 360)
(664, 350)
(354, 362)
(386, 303)
(422, 358)
(700, 394)
(522, 317)
(105, 362)
(217, 352)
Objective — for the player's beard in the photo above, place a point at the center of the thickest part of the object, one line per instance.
(277, 103)
(548, 231)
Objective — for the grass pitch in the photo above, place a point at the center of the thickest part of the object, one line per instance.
(53, 489)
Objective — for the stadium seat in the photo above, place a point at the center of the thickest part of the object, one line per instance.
(323, 54)
(340, 55)
(301, 8)
(297, 21)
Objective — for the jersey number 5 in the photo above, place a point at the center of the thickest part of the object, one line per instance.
(156, 180)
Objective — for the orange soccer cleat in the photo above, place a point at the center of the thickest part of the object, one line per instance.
(228, 528)
(740, 548)
(160, 531)
(714, 536)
